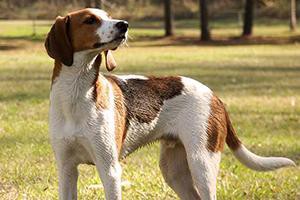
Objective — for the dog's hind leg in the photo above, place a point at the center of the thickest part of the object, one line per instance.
(204, 166)
(175, 170)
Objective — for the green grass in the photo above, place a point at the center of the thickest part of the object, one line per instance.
(259, 82)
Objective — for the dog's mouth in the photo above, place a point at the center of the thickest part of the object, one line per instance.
(118, 40)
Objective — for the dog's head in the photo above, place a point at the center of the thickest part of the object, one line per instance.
(90, 30)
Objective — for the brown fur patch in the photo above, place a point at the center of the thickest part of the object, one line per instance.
(231, 140)
(58, 44)
(56, 71)
(101, 90)
(101, 97)
(120, 115)
(219, 127)
(102, 100)
(83, 36)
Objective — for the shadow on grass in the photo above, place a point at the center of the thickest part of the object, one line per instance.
(26, 139)
(25, 96)
(34, 85)
(31, 38)
(225, 70)
(160, 41)
(8, 47)
(25, 78)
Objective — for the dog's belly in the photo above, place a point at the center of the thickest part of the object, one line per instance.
(81, 150)
(138, 135)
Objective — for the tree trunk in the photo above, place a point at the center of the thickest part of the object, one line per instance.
(293, 16)
(205, 33)
(98, 4)
(248, 18)
(88, 3)
(169, 29)
(8, 3)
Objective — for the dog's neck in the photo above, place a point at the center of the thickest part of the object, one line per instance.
(82, 63)
(82, 73)
(84, 59)
(74, 86)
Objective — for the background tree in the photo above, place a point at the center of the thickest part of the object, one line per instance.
(98, 3)
(88, 3)
(169, 29)
(293, 15)
(248, 18)
(205, 33)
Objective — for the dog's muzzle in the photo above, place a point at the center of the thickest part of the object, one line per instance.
(122, 27)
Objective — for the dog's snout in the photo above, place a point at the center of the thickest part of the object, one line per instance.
(122, 26)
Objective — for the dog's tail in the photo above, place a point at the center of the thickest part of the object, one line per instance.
(250, 159)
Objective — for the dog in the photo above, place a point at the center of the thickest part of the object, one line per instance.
(100, 119)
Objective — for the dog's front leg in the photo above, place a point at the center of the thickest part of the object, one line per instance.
(67, 175)
(108, 168)
(110, 175)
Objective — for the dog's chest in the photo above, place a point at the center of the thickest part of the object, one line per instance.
(73, 119)
(73, 115)
(69, 114)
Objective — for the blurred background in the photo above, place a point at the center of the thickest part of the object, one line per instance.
(174, 13)
(247, 51)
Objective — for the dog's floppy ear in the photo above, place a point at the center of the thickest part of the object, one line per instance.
(109, 61)
(58, 43)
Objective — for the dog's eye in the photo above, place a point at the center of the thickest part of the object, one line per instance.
(90, 20)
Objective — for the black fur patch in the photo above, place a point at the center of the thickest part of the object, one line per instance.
(144, 98)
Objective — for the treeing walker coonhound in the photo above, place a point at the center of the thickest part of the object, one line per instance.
(100, 119)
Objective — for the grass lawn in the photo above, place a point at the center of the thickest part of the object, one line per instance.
(259, 82)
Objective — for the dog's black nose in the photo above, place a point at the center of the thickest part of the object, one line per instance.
(122, 26)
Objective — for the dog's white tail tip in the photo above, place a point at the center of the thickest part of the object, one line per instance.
(260, 163)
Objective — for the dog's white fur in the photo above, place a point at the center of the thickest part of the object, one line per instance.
(81, 133)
